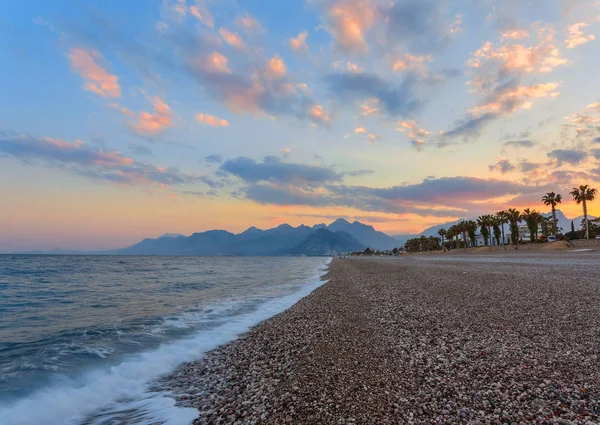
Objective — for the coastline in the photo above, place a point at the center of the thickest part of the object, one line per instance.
(416, 340)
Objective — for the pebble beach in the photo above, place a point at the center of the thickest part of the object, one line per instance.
(432, 340)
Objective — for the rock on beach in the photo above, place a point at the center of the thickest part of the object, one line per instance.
(415, 341)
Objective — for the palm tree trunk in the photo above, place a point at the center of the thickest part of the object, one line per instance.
(502, 225)
(554, 223)
(587, 225)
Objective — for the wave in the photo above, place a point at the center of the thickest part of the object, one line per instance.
(121, 394)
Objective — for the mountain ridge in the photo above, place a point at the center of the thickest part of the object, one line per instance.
(338, 237)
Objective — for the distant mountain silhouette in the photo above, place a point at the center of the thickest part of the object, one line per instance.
(326, 242)
(340, 236)
(364, 233)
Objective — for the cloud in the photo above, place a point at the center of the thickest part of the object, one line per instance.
(266, 88)
(395, 100)
(318, 115)
(528, 167)
(493, 66)
(515, 34)
(347, 66)
(273, 169)
(211, 120)
(436, 197)
(148, 123)
(122, 109)
(422, 26)
(249, 24)
(139, 150)
(469, 127)
(360, 129)
(567, 156)
(575, 36)
(215, 62)
(509, 98)
(348, 22)
(525, 143)
(276, 68)
(596, 153)
(214, 159)
(232, 38)
(97, 79)
(411, 62)
(202, 14)
(504, 100)
(298, 44)
(82, 159)
(418, 136)
(174, 10)
(503, 166)
(373, 137)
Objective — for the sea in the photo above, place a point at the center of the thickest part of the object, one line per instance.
(85, 339)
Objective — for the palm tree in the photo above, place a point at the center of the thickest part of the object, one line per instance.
(471, 228)
(513, 217)
(552, 199)
(497, 232)
(583, 195)
(464, 228)
(532, 218)
(443, 233)
(503, 219)
(483, 222)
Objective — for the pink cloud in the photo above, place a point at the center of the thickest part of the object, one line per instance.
(249, 24)
(348, 66)
(202, 14)
(214, 62)
(97, 79)
(516, 57)
(157, 122)
(232, 38)
(298, 44)
(575, 36)
(515, 34)
(318, 114)
(349, 23)
(411, 62)
(122, 109)
(211, 120)
(516, 98)
(276, 68)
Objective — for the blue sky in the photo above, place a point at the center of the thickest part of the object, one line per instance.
(400, 113)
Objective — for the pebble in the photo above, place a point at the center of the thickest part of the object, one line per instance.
(410, 342)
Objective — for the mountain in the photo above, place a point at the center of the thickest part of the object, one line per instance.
(433, 230)
(339, 236)
(326, 242)
(205, 243)
(170, 235)
(269, 242)
(403, 238)
(365, 234)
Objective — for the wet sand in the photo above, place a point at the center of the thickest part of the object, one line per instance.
(435, 339)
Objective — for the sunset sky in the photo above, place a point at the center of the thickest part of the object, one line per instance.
(121, 120)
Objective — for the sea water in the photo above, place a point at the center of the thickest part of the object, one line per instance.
(84, 338)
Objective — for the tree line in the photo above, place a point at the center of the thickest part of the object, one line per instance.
(491, 226)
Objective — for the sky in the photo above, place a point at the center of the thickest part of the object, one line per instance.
(125, 120)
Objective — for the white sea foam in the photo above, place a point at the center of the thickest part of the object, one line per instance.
(122, 390)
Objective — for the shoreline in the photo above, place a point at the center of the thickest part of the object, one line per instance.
(410, 341)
